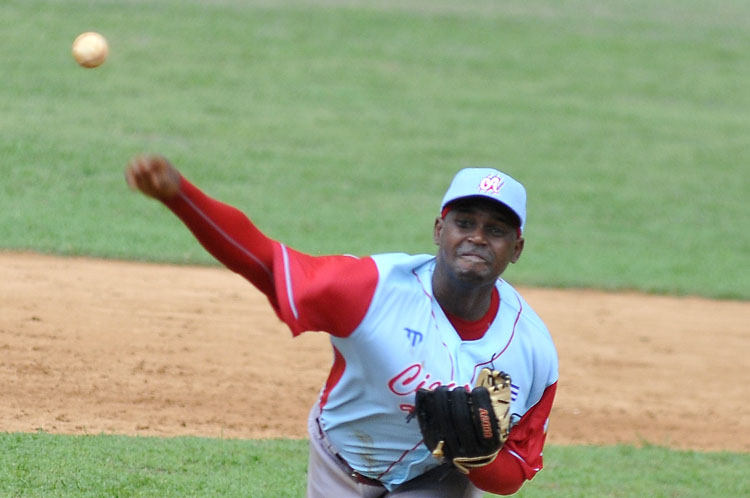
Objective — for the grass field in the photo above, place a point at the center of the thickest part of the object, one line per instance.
(336, 125)
(94, 466)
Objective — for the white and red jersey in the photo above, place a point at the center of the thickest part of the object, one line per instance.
(390, 337)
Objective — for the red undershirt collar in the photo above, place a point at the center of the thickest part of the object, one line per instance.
(473, 330)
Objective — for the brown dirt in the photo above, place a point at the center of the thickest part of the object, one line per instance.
(91, 346)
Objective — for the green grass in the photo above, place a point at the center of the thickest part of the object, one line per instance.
(626, 471)
(49, 465)
(116, 466)
(337, 126)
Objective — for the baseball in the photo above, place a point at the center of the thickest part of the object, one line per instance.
(90, 49)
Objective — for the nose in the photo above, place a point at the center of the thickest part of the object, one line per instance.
(477, 236)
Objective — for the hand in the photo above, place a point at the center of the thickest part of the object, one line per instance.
(154, 176)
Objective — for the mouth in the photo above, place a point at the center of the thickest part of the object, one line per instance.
(472, 257)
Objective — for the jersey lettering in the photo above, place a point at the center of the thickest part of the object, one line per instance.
(413, 378)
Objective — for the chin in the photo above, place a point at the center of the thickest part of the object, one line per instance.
(472, 276)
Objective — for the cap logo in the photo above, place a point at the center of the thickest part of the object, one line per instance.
(491, 184)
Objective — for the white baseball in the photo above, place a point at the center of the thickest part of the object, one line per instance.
(90, 49)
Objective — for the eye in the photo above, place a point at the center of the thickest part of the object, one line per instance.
(463, 223)
(497, 231)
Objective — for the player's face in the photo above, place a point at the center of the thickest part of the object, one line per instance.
(477, 240)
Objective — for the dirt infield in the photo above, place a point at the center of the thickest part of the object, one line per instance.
(91, 346)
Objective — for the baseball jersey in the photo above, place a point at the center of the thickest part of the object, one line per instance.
(390, 337)
(404, 342)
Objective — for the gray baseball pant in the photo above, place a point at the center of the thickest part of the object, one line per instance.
(328, 475)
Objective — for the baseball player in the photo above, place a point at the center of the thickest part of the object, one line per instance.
(425, 346)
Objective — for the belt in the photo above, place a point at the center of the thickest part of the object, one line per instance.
(369, 481)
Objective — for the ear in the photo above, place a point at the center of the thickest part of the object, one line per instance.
(518, 249)
(437, 230)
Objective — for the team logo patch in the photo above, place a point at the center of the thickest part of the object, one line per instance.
(414, 336)
(491, 184)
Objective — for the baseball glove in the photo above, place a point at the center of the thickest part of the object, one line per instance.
(467, 428)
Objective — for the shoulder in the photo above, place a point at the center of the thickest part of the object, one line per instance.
(530, 325)
(400, 262)
(513, 299)
(400, 270)
(402, 284)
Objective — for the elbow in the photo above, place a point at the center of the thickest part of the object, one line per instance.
(506, 489)
(501, 488)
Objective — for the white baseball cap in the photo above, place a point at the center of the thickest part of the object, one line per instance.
(489, 183)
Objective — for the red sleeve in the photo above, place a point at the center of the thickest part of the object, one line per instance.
(330, 293)
(325, 293)
(228, 235)
(521, 457)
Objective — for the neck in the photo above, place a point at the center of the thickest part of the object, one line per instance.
(464, 300)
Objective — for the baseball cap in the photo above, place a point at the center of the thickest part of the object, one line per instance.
(489, 183)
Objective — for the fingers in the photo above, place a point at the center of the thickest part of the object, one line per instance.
(154, 176)
(130, 178)
(137, 174)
